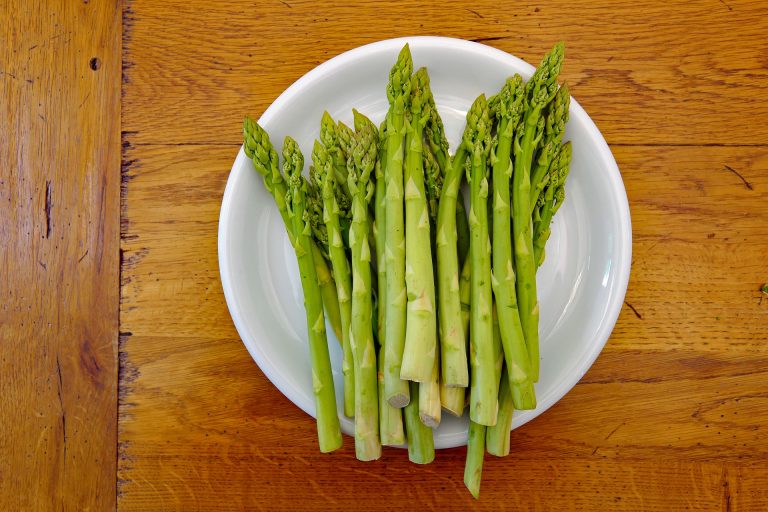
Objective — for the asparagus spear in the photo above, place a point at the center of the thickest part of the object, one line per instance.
(552, 199)
(259, 149)
(554, 130)
(390, 418)
(396, 390)
(360, 163)
(473, 467)
(454, 399)
(539, 92)
(391, 428)
(380, 210)
(328, 430)
(430, 397)
(434, 132)
(497, 436)
(421, 442)
(450, 398)
(323, 169)
(436, 163)
(509, 109)
(454, 368)
(420, 349)
(482, 403)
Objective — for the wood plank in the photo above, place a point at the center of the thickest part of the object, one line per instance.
(672, 410)
(59, 260)
(648, 72)
(293, 481)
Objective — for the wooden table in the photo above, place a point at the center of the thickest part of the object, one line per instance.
(123, 382)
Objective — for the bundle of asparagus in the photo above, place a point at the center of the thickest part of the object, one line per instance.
(453, 309)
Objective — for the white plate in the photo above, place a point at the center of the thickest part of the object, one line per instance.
(581, 284)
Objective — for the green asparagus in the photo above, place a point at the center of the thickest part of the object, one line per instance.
(323, 166)
(473, 467)
(539, 91)
(259, 149)
(508, 109)
(552, 199)
(328, 429)
(554, 129)
(396, 390)
(421, 441)
(434, 133)
(454, 367)
(360, 164)
(482, 401)
(451, 397)
(420, 350)
(497, 436)
(390, 418)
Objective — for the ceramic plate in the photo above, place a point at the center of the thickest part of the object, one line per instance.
(581, 284)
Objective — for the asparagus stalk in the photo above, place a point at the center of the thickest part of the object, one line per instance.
(509, 110)
(498, 352)
(454, 367)
(451, 398)
(497, 436)
(328, 292)
(454, 399)
(390, 418)
(420, 349)
(539, 92)
(434, 133)
(396, 390)
(473, 467)
(436, 162)
(328, 430)
(553, 198)
(465, 294)
(360, 163)
(494, 434)
(554, 130)
(380, 210)
(421, 442)
(430, 397)
(462, 229)
(482, 403)
(323, 168)
(260, 150)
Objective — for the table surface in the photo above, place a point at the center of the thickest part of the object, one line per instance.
(123, 381)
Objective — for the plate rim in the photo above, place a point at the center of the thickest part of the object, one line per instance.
(617, 188)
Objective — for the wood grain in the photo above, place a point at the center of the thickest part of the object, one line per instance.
(670, 416)
(59, 260)
(649, 72)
